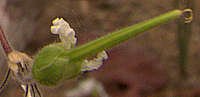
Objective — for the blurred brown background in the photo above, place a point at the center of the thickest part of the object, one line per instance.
(141, 67)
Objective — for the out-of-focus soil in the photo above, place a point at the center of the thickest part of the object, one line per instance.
(141, 67)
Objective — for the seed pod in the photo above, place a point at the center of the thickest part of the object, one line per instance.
(54, 63)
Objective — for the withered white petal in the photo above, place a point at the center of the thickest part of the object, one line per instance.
(66, 33)
(95, 63)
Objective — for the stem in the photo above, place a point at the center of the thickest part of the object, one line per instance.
(183, 34)
(7, 48)
(117, 37)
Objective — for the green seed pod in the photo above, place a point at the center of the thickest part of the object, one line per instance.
(54, 62)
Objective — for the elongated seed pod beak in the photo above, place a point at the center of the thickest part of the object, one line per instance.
(119, 36)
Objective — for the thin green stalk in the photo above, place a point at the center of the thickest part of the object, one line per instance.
(183, 34)
(117, 37)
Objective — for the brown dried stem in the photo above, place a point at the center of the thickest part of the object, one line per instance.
(7, 48)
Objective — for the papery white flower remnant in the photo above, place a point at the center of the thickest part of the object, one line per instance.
(67, 36)
(95, 63)
(66, 33)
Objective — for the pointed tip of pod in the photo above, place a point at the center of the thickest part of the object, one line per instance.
(188, 15)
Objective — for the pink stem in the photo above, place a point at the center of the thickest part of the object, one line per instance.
(7, 48)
